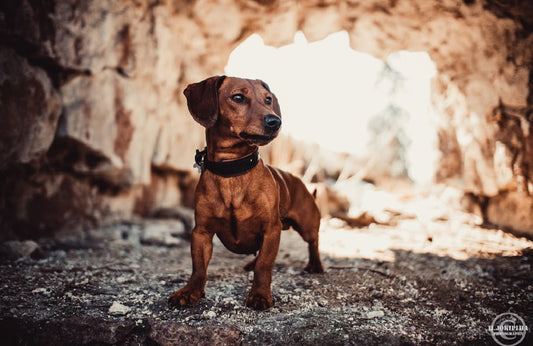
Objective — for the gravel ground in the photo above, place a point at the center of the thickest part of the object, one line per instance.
(437, 280)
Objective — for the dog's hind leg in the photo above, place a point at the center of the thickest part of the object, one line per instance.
(308, 230)
(314, 265)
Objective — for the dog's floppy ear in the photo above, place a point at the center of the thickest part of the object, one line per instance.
(202, 100)
(275, 103)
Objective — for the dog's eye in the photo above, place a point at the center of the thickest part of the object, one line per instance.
(238, 98)
(268, 100)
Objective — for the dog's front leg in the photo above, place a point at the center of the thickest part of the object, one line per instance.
(260, 297)
(201, 251)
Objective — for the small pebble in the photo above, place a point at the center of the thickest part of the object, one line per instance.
(374, 314)
(210, 314)
(118, 309)
(479, 294)
(39, 290)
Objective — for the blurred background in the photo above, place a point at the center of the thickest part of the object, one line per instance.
(402, 114)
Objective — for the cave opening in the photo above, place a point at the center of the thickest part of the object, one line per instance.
(376, 111)
(374, 118)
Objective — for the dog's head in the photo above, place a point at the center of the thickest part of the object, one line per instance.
(242, 108)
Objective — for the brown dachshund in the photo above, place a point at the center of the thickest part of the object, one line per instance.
(245, 202)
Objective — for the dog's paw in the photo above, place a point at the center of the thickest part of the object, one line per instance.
(185, 297)
(259, 302)
(314, 268)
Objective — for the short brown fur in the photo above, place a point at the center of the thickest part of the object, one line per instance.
(247, 212)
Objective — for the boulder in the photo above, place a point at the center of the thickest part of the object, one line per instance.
(511, 210)
(30, 110)
(108, 115)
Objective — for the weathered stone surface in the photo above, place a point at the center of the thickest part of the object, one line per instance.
(279, 27)
(15, 249)
(108, 115)
(170, 332)
(177, 141)
(511, 209)
(30, 108)
(28, 24)
(221, 20)
(163, 233)
(319, 22)
(96, 35)
(42, 204)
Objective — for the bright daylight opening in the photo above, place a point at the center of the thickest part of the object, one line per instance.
(347, 101)
(380, 113)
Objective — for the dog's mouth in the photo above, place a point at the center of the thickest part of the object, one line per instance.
(257, 139)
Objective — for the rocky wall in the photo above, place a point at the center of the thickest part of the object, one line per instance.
(95, 128)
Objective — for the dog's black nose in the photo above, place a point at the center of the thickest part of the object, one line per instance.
(272, 122)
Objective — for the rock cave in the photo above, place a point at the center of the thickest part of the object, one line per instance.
(96, 153)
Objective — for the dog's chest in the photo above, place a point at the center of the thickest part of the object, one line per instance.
(240, 229)
(241, 214)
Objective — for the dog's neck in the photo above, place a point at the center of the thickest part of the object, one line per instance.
(227, 148)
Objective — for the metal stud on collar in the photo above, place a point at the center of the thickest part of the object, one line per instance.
(199, 159)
